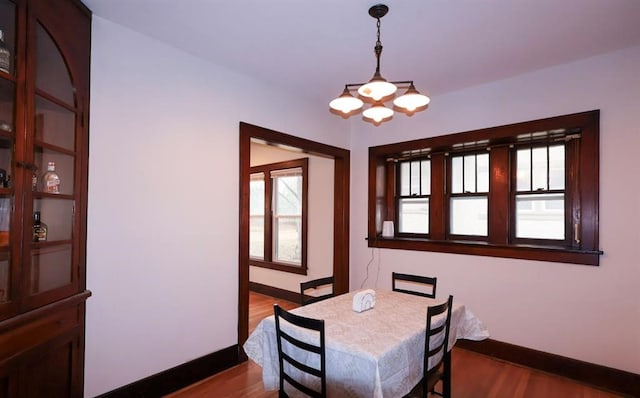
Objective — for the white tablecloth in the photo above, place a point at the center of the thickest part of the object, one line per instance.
(377, 353)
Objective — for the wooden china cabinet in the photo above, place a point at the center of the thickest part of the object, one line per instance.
(44, 104)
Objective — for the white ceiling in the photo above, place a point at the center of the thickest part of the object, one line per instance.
(443, 45)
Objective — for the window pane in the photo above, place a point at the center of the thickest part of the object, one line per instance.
(7, 95)
(54, 124)
(483, 172)
(469, 216)
(50, 268)
(256, 216)
(539, 164)
(404, 179)
(256, 237)
(414, 216)
(456, 174)
(287, 239)
(470, 173)
(415, 178)
(52, 74)
(523, 158)
(540, 216)
(556, 167)
(425, 177)
(288, 195)
(256, 197)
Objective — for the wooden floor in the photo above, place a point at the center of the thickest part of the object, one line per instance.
(473, 375)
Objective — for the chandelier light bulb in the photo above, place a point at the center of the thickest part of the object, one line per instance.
(377, 88)
(378, 113)
(346, 102)
(411, 100)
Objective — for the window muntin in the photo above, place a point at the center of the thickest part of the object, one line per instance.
(413, 202)
(574, 190)
(468, 201)
(540, 197)
(277, 215)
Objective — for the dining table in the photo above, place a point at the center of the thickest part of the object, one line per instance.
(377, 353)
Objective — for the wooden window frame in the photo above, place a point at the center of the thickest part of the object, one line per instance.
(267, 261)
(582, 175)
(568, 191)
(399, 196)
(449, 195)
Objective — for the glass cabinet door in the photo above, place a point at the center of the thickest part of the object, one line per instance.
(8, 272)
(52, 261)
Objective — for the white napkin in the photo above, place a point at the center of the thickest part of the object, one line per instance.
(364, 300)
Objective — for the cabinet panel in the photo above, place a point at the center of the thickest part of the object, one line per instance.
(21, 338)
(50, 371)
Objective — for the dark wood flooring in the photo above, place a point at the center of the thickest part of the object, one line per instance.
(473, 375)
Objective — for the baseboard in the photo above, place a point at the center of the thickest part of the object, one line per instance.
(174, 379)
(275, 292)
(618, 381)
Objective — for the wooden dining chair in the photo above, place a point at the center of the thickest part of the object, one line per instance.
(427, 284)
(302, 363)
(436, 352)
(324, 283)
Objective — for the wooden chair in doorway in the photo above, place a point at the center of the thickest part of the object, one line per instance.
(317, 284)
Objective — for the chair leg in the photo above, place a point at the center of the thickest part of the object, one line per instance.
(446, 379)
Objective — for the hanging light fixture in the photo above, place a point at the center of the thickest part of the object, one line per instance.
(378, 90)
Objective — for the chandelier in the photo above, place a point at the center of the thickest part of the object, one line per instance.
(378, 90)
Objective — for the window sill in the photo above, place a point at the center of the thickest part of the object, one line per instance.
(525, 252)
(279, 266)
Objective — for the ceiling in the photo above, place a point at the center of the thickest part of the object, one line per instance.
(315, 48)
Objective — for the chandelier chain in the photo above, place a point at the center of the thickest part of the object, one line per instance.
(378, 47)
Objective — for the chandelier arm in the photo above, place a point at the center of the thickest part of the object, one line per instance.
(402, 82)
(351, 86)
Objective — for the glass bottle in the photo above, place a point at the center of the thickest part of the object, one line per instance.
(39, 228)
(50, 179)
(5, 55)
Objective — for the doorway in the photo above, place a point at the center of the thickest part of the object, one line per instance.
(341, 158)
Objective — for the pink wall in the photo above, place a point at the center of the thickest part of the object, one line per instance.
(162, 244)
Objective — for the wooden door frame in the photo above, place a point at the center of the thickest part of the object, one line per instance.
(341, 178)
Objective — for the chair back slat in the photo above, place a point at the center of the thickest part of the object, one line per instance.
(315, 284)
(400, 283)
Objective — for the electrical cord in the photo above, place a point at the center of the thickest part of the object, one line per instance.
(371, 261)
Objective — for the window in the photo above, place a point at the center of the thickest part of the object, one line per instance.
(540, 192)
(527, 190)
(413, 201)
(468, 198)
(277, 216)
